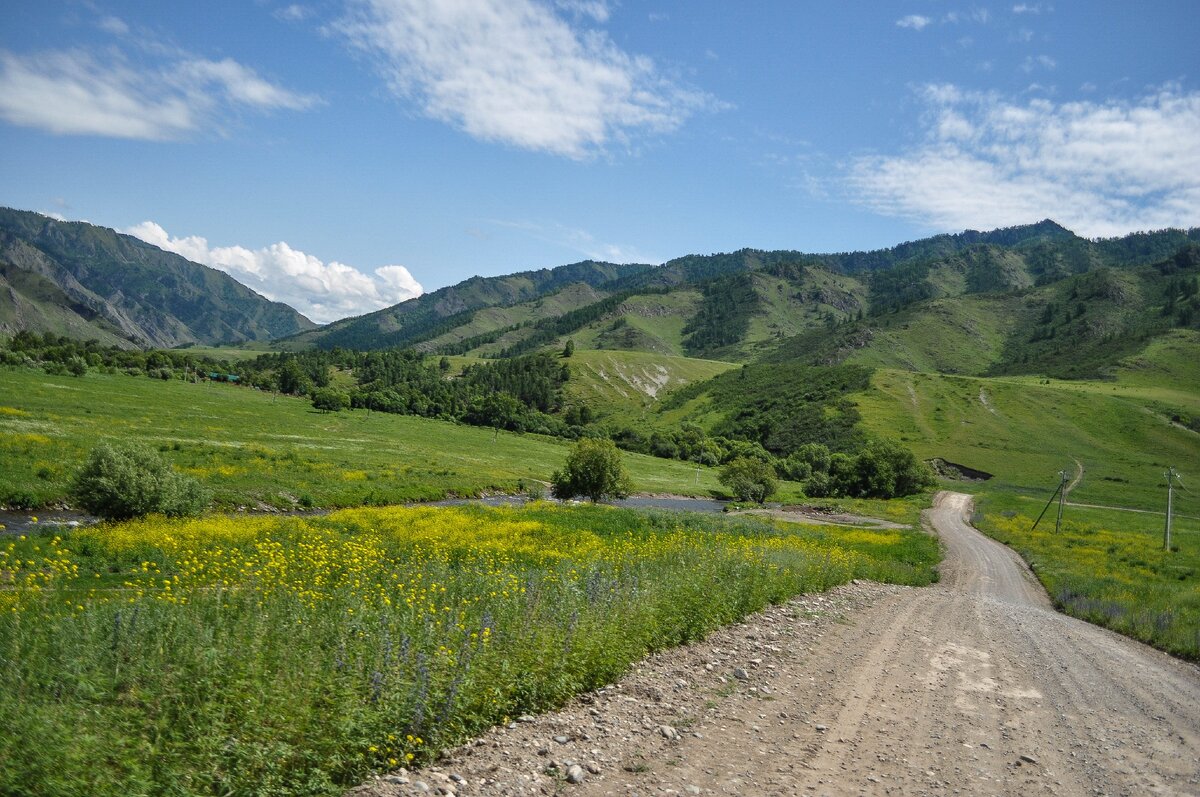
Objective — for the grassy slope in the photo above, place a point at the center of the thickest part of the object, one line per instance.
(621, 383)
(656, 323)
(1026, 432)
(787, 309)
(250, 449)
(963, 335)
(570, 298)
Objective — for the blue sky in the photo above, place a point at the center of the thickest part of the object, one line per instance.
(346, 154)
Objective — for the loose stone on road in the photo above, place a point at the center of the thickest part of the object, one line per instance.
(972, 686)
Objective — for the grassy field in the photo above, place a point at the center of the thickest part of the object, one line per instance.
(1109, 567)
(621, 384)
(1025, 430)
(254, 450)
(295, 656)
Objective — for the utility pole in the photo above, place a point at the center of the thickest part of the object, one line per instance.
(1172, 477)
(1062, 499)
(1061, 494)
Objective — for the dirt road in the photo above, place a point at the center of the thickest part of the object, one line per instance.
(973, 686)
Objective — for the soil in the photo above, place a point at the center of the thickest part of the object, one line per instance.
(972, 686)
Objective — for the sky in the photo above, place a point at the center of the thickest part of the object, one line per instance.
(346, 155)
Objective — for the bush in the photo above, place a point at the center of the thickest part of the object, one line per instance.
(749, 479)
(593, 469)
(119, 482)
(328, 399)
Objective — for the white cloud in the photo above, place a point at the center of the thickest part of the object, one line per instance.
(1026, 8)
(1037, 62)
(322, 291)
(597, 10)
(114, 25)
(913, 21)
(1099, 168)
(293, 13)
(241, 84)
(73, 92)
(515, 72)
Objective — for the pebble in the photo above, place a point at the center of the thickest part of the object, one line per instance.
(691, 788)
(575, 774)
(821, 728)
(1028, 759)
(562, 739)
(741, 674)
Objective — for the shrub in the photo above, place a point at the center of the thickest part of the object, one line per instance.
(119, 482)
(328, 399)
(749, 479)
(593, 469)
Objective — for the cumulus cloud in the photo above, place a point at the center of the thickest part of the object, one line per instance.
(1099, 168)
(913, 21)
(75, 92)
(322, 291)
(515, 72)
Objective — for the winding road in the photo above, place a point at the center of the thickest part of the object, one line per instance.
(973, 686)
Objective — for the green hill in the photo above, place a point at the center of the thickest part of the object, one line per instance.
(623, 384)
(437, 313)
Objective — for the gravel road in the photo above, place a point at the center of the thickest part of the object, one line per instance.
(972, 686)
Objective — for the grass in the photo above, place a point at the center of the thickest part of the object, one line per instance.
(295, 656)
(963, 335)
(1109, 567)
(622, 384)
(255, 450)
(1025, 430)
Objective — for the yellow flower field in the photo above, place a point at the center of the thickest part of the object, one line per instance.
(294, 655)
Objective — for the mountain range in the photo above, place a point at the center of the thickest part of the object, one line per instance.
(85, 281)
(1029, 299)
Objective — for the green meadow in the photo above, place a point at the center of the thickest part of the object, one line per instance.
(257, 450)
(299, 655)
(1024, 431)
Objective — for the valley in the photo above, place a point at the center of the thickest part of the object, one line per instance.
(1002, 357)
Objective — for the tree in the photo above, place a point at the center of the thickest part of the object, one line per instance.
(749, 479)
(569, 349)
(593, 469)
(328, 399)
(124, 481)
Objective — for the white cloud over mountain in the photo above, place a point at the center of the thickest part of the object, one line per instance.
(323, 291)
(516, 72)
(1100, 168)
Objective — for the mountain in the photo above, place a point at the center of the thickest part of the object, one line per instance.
(749, 304)
(84, 281)
(445, 309)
